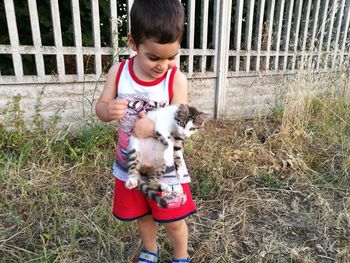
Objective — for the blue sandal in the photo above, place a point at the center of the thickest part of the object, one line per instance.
(147, 256)
(184, 260)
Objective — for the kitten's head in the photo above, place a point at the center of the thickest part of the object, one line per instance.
(189, 119)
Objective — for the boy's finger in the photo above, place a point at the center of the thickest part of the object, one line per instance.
(142, 114)
(123, 101)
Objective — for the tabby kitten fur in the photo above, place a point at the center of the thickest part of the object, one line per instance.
(148, 158)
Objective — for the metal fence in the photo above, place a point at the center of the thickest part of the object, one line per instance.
(222, 39)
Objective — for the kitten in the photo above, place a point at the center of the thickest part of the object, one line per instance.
(148, 158)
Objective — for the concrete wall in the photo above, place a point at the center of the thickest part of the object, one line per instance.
(245, 97)
(253, 96)
(72, 100)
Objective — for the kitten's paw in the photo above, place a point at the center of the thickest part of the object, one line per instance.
(131, 183)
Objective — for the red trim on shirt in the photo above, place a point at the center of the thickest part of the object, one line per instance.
(171, 83)
(119, 73)
(141, 82)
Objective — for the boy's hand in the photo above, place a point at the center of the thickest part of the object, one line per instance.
(116, 109)
(144, 126)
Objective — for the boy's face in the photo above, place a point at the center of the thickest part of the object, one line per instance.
(154, 59)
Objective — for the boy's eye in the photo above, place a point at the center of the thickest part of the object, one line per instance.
(156, 58)
(153, 58)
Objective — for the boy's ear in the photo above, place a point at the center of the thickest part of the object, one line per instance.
(131, 42)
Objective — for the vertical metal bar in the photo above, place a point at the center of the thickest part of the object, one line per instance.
(204, 34)
(238, 31)
(297, 29)
(279, 32)
(177, 59)
(330, 31)
(314, 31)
(114, 28)
(261, 8)
(34, 23)
(97, 36)
(270, 20)
(338, 33)
(323, 26)
(129, 5)
(288, 29)
(190, 36)
(13, 34)
(216, 29)
(78, 38)
(224, 41)
(306, 28)
(57, 36)
(249, 32)
(315, 22)
(346, 31)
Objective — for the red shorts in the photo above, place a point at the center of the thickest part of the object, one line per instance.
(131, 204)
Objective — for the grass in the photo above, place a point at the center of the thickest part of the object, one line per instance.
(271, 189)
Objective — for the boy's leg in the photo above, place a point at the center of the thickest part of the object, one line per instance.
(148, 229)
(178, 235)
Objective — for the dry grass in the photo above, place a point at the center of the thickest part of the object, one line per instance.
(272, 189)
(260, 200)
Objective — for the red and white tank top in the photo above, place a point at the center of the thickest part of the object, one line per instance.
(142, 96)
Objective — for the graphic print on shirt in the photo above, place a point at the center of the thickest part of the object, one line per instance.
(137, 103)
(135, 106)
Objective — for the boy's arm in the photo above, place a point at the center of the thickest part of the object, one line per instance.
(180, 88)
(109, 108)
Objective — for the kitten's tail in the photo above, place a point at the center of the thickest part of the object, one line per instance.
(153, 194)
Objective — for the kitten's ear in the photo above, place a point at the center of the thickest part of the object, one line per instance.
(201, 118)
(182, 111)
(183, 107)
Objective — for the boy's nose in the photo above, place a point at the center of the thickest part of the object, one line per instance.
(162, 66)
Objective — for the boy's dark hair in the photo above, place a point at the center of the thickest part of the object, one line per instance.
(161, 20)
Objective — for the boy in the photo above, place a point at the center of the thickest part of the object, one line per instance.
(141, 83)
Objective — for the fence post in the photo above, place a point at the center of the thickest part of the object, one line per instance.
(222, 56)
(34, 23)
(96, 35)
(14, 40)
(78, 39)
(57, 32)
(114, 28)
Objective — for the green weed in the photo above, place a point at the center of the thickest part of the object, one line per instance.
(269, 181)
